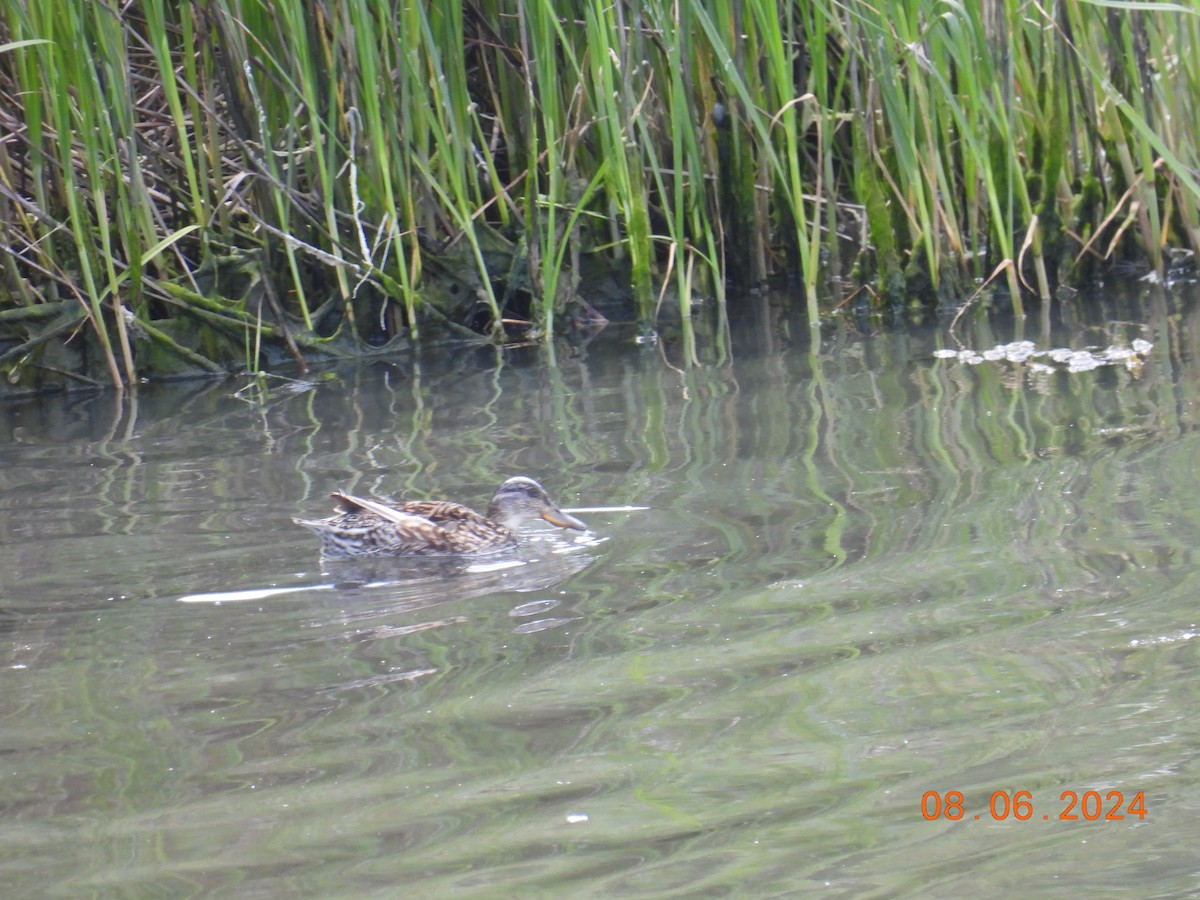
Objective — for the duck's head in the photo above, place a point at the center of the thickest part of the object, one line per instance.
(521, 498)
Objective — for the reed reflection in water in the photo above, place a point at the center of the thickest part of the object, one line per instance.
(864, 573)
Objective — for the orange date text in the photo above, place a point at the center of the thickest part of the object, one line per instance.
(1090, 806)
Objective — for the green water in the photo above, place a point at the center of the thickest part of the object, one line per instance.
(864, 574)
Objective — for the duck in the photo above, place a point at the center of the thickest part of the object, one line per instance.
(364, 528)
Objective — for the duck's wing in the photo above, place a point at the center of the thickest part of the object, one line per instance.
(446, 514)
(459, 528)
(404, 515)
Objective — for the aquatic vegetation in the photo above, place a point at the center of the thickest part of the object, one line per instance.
(1056, 359)
(197, 188)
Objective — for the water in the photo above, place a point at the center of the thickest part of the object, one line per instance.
(864, 574)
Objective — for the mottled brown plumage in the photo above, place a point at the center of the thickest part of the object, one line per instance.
(367, 528)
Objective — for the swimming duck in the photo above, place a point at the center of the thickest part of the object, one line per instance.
(366, 528)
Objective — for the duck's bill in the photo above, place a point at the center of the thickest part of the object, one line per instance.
(563, 520)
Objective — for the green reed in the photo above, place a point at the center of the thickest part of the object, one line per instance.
(234, 182)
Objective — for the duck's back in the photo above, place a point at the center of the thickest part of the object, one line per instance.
(428, 527)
